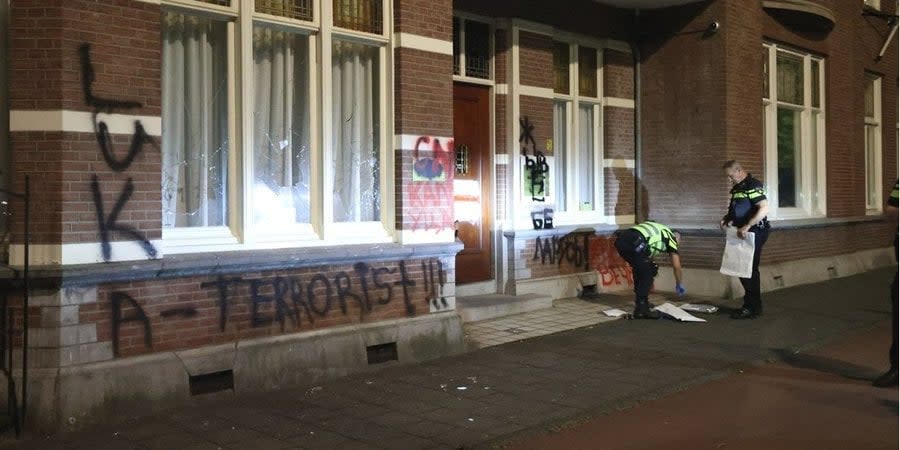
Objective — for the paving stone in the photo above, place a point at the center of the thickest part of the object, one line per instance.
(261, 443)
(538, 382)
(168, 441)
(317, 438)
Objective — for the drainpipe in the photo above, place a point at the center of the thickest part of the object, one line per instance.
(638, 175)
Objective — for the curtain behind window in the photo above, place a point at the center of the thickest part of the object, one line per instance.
(194, 121)
(355, 122)
(585, 167)
(281, 127)
(560, 148)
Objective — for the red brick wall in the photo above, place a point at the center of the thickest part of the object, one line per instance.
(741, 31)
(501, 139)
(423, 205)
(848, 50)
(618, 132)
(46, 74)
(431, 18)
(535, 59)
(565, 254)
(540, 114)
(501, 55)
(424, 93)
(37, 154)
(188, 312)
(683, 114)
(423, 106)
(502, 175)
(790, 245)
(618, 191)
(618, 74)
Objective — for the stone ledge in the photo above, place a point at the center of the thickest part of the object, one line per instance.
(215, 263)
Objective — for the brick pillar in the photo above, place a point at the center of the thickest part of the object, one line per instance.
(683, 114)
(53, 131)
(618, 133)
(423, 119)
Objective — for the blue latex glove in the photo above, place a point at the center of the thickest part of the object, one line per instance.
(679, 289)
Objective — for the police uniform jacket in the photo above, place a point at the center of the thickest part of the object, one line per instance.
(745, 198)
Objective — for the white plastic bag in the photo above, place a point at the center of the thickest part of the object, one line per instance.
(737, 260)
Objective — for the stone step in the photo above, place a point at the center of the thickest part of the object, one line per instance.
(476, 308)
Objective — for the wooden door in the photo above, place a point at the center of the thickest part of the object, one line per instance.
(472, 185)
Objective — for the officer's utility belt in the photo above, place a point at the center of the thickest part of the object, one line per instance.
(635, 240)
(761, 225)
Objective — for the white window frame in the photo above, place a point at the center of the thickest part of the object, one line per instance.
(813, 184)
(241, 232)
(876, 150)
(572, 215)
(464, 17)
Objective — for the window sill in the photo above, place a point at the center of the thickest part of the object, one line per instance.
(595, 228)
(210, 264)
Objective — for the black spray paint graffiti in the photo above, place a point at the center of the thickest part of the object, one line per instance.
(536, 171)
(117, 299)
(289, 300)
(434, 290)
(108, 224)
(572, 248)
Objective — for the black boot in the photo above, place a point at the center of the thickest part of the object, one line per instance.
(643, 311)
(886, 379)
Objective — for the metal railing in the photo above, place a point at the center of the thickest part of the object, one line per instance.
(14, 412)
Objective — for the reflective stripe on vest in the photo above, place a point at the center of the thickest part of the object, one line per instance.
(654, 233)
(750, 194)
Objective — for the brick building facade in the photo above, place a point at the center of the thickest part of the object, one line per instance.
(267, 193)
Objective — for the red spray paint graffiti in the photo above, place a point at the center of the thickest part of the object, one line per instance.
(431, 191)
(614, 271)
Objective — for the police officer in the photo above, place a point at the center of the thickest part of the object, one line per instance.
(889, 378)
(747, 211)
(638, 245)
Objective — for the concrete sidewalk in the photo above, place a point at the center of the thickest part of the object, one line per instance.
(490, 396)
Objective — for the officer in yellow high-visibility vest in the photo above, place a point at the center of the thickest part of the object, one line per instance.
(637, 246)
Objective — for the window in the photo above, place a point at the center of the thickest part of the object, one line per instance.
(794, 118)
(576, 132)
(471, 48)
(304, 161)
(873, 143)
(874, 4)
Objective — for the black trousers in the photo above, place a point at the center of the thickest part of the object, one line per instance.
(632, 248)
(752, 299)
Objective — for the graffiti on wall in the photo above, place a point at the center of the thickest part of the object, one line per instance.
(612, 270)
(535, 175)
(435, 166)
(572, 248)
(289, 301)
(109, 223)
(588, 252)
(432, 182)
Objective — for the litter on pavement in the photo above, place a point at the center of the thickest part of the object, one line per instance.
(677, 313)
(699, 307)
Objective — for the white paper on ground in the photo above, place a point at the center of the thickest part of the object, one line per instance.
(737, 259)
(699, 307)
(615, 312)
(677, 313)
